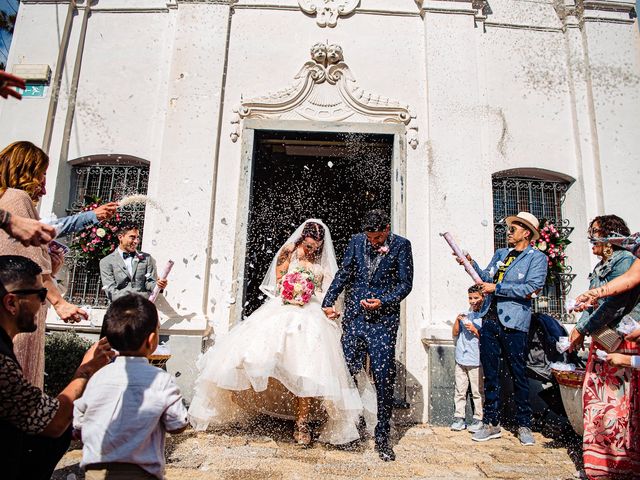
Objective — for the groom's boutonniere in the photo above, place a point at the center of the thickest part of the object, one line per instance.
(383, 250)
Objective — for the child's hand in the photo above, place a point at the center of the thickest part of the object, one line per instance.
(471, 327)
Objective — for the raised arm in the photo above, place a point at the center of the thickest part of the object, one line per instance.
(621, 284)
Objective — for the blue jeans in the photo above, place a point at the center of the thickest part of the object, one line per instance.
(499, 342)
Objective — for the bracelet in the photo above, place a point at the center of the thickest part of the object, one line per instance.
(5, 219)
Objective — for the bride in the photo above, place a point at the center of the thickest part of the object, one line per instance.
(285, 359)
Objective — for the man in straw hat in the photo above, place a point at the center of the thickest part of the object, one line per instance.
(513, 276)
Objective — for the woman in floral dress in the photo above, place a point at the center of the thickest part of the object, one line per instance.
(611, 395)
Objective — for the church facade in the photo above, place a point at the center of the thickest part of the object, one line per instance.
(241, 118)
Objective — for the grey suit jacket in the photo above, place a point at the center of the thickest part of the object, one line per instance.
(116, 280)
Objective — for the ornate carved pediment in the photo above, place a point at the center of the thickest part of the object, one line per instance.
(325, 89)
(328, 11)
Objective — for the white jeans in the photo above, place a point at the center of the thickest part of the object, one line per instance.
(465, 376)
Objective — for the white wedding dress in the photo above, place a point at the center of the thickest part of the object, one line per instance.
(280, 351)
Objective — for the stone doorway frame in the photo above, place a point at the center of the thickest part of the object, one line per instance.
(398, 201)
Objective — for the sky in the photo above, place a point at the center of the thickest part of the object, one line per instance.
(11, 6)
(5, 40)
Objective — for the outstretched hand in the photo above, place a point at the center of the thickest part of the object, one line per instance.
(460, 261)
(106, 211)
(586, 300)
(30, 232)
(99, 355)
(576, 340)
(7, 84)
(633, 336)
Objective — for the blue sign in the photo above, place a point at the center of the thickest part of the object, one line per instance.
(33, 90)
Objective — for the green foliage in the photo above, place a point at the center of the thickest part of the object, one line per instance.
(63, 352)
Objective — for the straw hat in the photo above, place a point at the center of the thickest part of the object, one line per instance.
(528, 220)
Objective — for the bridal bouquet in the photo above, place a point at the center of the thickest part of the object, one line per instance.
(298, 287)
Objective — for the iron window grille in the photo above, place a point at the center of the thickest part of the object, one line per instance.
(109, 183)
(544, 199)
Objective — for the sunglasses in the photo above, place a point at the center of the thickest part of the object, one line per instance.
(41, 292)
(514, 227)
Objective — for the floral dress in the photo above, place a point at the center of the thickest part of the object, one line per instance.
(611, 395)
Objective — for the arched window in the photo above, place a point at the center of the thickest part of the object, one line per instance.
(109, 178)
(541, 193)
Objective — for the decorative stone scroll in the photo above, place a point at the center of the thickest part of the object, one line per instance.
(328, 11)
(325, 89)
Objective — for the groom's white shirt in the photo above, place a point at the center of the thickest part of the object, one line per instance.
(127, 261)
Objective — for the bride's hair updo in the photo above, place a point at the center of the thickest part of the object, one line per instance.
(312, 230)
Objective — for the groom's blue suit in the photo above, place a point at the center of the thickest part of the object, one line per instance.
(388, 277)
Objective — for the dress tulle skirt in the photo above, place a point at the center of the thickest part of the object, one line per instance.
(280, 352)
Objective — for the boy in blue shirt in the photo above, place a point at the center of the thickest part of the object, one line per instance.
(466, 334)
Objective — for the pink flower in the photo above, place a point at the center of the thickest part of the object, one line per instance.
(383, 250)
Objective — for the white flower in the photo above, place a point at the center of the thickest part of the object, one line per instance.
(500, 263)
(542, 246)
(101, 232)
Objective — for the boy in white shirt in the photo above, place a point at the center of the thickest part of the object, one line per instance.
(468, 369)
(129, 405)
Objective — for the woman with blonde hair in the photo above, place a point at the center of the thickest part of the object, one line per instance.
(23, 168)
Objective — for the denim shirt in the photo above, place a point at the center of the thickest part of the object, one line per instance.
(610, 310)
(74, 223)
(467, 344)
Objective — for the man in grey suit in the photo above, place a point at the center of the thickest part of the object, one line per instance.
(126, 270)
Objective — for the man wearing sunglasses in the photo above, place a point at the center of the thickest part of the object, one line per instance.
(512, 277)
(34, 427)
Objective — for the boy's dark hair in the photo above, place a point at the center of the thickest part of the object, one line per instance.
(475, 289)
(129, 321)
(375, 221)
(17, 269)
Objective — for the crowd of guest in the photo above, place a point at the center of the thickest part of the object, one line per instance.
(611, 389)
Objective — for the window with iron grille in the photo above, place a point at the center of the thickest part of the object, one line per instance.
(109, 182)
(542, 198)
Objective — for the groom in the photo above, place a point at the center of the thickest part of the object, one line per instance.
(377, 272)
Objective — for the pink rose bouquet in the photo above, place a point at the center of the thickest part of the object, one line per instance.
(298, 287)
(552, 243)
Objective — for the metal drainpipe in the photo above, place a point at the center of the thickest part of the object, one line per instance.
(73, 92)
(57, 77)
(216, 160)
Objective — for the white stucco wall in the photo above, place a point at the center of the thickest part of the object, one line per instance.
(497, 91)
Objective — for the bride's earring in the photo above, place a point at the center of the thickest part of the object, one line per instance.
(607, 251)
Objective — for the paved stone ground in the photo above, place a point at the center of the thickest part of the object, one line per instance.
(264, 451)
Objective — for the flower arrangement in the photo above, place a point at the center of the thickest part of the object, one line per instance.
(96, 241)
(553, 244)
(298, 287)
